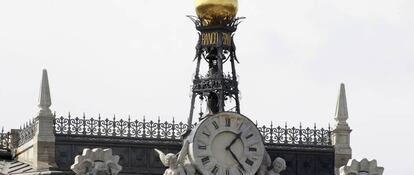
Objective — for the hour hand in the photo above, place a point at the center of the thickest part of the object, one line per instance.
(233, 141)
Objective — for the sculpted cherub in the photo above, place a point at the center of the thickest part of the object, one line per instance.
(177, 164)
(269, 168)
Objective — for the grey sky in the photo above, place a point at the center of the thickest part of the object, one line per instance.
(135, 57)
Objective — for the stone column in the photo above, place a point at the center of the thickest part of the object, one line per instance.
(342, 132)
(44, 138)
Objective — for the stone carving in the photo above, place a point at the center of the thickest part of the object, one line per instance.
(269, 168)
(178, 164)
(278, 165)
(364, 167)
(96, 162)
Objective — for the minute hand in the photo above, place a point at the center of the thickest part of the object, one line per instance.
(237, 160)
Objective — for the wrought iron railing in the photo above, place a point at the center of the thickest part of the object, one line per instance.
(5, 140)
(173, 131)
(120, 128)
(27, 132)
(22, 136)
(296, 136)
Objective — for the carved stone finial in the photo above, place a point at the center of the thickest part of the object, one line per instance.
(96, 162)
(341, 114)
(44, 97)
(364, 167)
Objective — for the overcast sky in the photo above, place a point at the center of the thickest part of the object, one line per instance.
(135, 58)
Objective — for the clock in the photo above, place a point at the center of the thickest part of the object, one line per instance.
(226, 143)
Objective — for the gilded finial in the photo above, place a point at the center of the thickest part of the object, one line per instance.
(213, 12)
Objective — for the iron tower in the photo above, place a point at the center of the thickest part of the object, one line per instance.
(215, 85)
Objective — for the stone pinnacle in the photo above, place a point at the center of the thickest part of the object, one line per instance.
(44, 97)
(341, 114)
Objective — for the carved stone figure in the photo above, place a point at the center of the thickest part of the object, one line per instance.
(178, 164)
(96, 162)
(269, 168)
(279, 165)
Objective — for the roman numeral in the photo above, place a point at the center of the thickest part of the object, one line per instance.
(215, 125)
(208, 135)
(227, 172)
(228, 122)
(215, 170)
(205, 160)
(241, 124)
(250, 162)
(252, 149)
(202, 147)
(248, 137)
(240, 171)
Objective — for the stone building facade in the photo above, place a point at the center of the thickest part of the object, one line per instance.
(49, 143)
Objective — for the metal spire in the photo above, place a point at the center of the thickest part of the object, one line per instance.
(341, 114)
(44, 97)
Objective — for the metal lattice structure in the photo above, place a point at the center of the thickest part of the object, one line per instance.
(214, 48)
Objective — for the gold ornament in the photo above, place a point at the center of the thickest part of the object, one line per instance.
(213, 12)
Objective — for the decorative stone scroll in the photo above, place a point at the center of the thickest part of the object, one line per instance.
(364, 167)
(96, 162)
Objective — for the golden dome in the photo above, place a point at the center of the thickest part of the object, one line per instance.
(216, 11)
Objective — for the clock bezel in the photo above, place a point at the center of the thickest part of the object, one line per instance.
(193, 149)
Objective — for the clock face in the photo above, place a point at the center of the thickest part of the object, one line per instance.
(227, 144)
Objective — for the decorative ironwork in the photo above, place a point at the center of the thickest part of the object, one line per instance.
(120, 128)
(296, 136)
(173, 131)
(27, 132)
(5, 140)
(230, 23)
(208, 84)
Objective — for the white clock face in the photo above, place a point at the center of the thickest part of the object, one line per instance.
(227, 143)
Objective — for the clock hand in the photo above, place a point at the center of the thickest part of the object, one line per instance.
(237, 160)
(233, 141)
